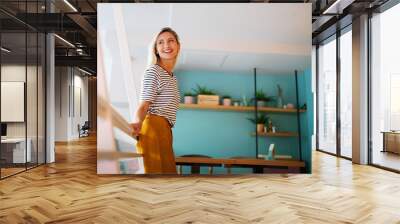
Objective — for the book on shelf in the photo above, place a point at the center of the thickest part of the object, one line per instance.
(283, 157)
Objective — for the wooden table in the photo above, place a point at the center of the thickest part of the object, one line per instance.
(391, 141)
(256, 164)
(196, 162)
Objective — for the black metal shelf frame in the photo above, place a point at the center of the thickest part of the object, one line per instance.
(297, 112)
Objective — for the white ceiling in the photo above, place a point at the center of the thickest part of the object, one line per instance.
(226, 37)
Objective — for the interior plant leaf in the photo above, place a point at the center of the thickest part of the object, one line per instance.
(261, 119)
(203, 90)
(189, 94)
(280, 90)
(261, 96)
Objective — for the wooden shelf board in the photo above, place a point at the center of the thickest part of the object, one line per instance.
(276, 134)
(215, 107)
(237, 108)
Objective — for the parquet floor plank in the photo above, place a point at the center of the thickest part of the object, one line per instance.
(70, 191)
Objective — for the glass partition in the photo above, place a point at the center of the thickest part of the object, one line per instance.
(22, 88)
(14, 153)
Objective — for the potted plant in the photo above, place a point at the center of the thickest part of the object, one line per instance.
(188, 98)
(226, 100)
(206, 96)
(236, 103)
(261, 98)
(261, 120)
(279, 99)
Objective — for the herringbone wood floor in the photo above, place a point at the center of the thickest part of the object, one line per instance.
(69, 191)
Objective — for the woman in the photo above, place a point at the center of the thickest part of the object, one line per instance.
(159, 102)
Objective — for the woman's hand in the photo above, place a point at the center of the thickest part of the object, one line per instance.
(140, 116)
(136, 127)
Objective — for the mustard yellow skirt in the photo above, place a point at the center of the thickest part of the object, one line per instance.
(155, 143)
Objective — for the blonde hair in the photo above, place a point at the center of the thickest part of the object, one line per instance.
(153, 56)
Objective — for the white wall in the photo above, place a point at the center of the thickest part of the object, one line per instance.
(70, 83)
(80, 103)
(12, 73)
(61, 103)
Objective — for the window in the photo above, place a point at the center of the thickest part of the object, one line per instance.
(346, 93)
(385, 88)
(394, 119)
(327, 97)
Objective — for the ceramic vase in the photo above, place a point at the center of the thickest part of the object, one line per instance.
(260, 128)
(188, 100)
(226, 102)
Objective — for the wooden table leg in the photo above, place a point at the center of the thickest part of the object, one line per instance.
(228, 169)
(195, 169)
(258, 169)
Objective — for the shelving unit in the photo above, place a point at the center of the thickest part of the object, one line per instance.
(257, 110)
(295, 110)
(237, 108)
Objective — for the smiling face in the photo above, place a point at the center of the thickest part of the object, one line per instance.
(167, 46)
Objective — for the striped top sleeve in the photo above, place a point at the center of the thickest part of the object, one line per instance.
(149, 85)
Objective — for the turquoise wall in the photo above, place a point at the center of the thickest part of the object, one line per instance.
(228, 133)
(307, 118)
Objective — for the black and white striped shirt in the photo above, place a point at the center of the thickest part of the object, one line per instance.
(161, 89)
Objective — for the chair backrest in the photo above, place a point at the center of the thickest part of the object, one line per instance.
(86, 125)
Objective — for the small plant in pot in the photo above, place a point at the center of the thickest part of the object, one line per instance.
(226, 100)
(261, 98)
(188, 98)
(206, 96)
(202, 90)
(236, 103)
(261, 120)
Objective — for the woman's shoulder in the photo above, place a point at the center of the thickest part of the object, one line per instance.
(153, 69)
